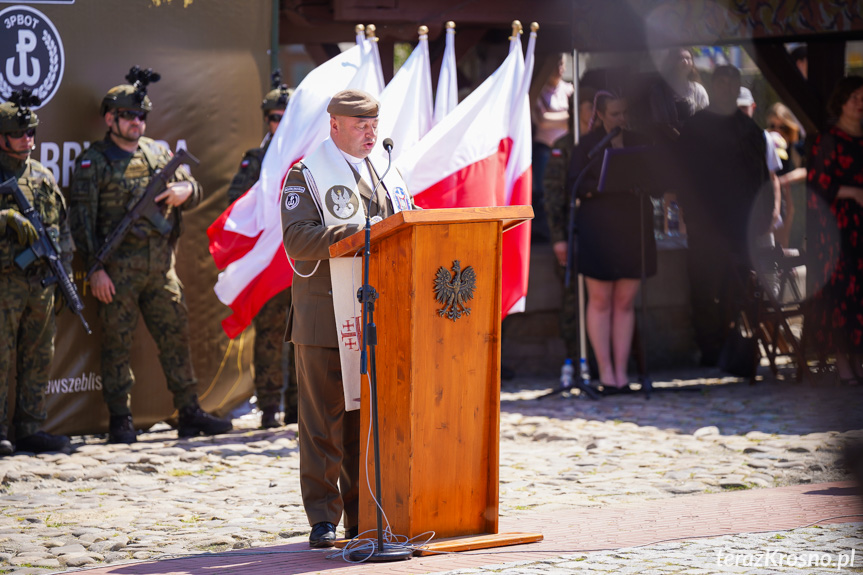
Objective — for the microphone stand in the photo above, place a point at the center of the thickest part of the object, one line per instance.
(367, 296)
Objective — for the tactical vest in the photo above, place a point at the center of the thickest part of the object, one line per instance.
(123, 182)
(35, 182)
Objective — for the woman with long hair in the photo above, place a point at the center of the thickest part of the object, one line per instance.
(836, 198)
(609, 244)
(678, 94)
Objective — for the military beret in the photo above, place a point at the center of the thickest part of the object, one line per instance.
(353, 103)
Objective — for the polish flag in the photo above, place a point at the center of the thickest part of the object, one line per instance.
(446, 96)
(246, 240)
(463, 162)
(406, 103)
(519, 189)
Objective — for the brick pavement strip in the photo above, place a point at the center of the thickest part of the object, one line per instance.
(609, 474)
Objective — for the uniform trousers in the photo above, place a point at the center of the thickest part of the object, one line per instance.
(329, 439)
(157, 294)
(270, 355)
(27, 331)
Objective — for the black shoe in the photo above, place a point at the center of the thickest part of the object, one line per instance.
(323, 535)
(41, 442)
(351, 532)
(270, 418)
(121, 429)
(195, 421)
(291, 416)
(6, 447)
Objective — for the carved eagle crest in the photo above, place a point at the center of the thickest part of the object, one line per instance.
(454, 290)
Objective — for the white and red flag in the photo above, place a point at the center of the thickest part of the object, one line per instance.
(446, 96)
(519, 190)
(406, 103)
(476, 157)
(246, 240)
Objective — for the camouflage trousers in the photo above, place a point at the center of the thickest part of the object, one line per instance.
(568, 320)
(27, 330)
(275, 369)
(157, 295)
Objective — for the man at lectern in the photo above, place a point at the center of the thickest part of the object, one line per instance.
(324, 199)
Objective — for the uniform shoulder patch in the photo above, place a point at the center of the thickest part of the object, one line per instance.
(86, 163)
(294, 189)
(292, 200)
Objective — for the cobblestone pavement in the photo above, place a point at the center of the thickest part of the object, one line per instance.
(819, 549)
(116, 503)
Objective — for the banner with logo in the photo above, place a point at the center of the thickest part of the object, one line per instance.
(212, 56)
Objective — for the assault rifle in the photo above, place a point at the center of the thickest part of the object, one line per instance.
(144, 207)
(45, 247)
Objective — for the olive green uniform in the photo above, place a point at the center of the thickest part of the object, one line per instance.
(27, 325)
(105, 181)
(557, 201)
(328, 435)
(271, 358)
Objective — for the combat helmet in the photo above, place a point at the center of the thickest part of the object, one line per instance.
(277, 98)
(15, 113)
(132, 95)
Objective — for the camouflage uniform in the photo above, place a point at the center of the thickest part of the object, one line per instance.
(26, 307)
(106, 179)
(557, 210)
(272, 356)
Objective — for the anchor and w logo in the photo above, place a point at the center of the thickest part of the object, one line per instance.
(31, 53)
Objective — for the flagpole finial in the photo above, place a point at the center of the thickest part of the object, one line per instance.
(370, 32)
(534, 26)
(516, 29)
(450, 25)
(359, 28)
(423, 30)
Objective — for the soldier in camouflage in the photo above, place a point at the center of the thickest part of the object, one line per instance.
(273, 358)
(27, 325)
(557, 210)
(139, 277)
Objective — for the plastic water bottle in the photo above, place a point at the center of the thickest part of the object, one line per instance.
(673, 219)
(566, 374)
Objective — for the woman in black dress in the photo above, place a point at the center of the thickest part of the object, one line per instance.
(609, 246)
(836, 202)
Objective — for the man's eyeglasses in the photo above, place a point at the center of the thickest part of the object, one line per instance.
(29, 132)
(132, 114)
(274, 118)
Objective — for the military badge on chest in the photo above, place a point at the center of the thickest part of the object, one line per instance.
(341, 202)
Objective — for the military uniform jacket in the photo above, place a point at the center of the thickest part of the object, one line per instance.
(107, 180)
(249, 172)
(40, 188)
(311, 320)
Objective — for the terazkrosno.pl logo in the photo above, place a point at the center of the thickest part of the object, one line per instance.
(31, 53)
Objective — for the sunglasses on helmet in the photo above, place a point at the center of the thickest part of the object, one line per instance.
(132, 114)
(30, 132)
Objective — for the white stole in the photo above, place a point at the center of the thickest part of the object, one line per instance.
(336, 194)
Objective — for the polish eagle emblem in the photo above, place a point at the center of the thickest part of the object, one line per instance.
(342, 207)
(454, 290)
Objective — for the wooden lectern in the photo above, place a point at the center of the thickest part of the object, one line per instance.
(438, 373)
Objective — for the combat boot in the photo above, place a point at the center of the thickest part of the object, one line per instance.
(6, 447)
(270, 418)
(42, 442)
(195, 421)
(121, 429)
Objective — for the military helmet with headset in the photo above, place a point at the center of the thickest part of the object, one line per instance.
(15, 113)
(277, 98)
(132, 96)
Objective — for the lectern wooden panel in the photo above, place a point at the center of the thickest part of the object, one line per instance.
(438, 377)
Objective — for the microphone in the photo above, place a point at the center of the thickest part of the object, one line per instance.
(603, 143)
(388, 146)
